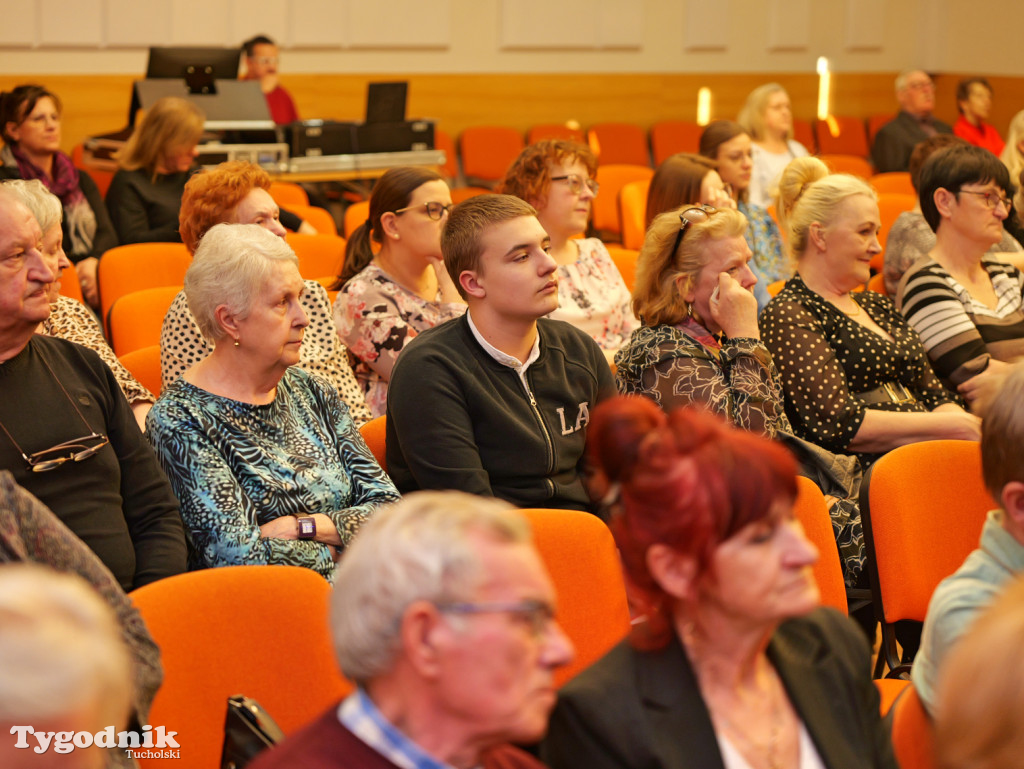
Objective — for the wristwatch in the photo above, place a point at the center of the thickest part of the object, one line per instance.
(307, 527)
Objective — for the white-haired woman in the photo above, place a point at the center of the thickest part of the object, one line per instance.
(264, 458)
(855, 375)
(768, 118)
(70, 319)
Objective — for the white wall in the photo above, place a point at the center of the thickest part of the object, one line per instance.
(469, 36)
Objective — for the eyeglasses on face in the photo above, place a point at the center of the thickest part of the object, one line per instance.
(992, 198)
(537, 615)
(576, 183)
(688, 216)
(74, 450)
(434, 210)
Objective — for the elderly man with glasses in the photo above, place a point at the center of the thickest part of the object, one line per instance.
(443, 615)
(67, 433)
(894, 142)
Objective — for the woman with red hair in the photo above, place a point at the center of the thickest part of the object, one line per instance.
(733, 664)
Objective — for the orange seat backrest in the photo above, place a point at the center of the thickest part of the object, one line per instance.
(851, 137)
(877, 284)
(922, 506)
(355, 215)
(144, 365)
(893, 181)
(318, 218)
(137, 318)
(619, 144)
(632, 211)
(876, 122)
(605, 207)
(890, 206)
(261, 631)
(288, 194)
(488, 151)
(848, 164)
(625, 260)
(137, 266)
(373, 433)
(671, 136)
(913, 735)
(580, 555)
(443, 141)
(70, 285)
(811, 510)
(804, 133)
(319, 255)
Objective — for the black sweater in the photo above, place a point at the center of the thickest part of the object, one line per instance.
(118, 501)
(458, 419)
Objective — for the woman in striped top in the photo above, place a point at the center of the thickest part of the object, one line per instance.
(967, 307)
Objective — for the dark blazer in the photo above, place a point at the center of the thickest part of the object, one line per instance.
(634, 709)
(896, 140)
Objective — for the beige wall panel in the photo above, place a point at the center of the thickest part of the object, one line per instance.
(133, 23)
(65, 23)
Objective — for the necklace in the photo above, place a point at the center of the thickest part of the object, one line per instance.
(853, 314)
(770, 748)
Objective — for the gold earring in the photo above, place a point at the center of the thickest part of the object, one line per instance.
(236, 342)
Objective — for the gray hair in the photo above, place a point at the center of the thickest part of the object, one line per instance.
(61, 651)
(414, 550)
(44, 205)
(231, 265)
(901, 79)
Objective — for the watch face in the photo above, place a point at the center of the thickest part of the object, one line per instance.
(307, 528)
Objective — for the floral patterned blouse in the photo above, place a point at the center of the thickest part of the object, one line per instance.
(71, 320)
(376, 317)
(827, 359)
(182, 346)
(735, 378)
(593, 297)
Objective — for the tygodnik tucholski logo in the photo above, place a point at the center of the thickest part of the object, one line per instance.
(149, 743)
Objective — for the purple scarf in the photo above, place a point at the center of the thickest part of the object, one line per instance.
(63, 184)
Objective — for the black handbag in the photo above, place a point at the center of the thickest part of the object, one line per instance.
(248, 729)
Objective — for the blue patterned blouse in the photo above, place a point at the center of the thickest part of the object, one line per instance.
(768, 261)
(235, 466)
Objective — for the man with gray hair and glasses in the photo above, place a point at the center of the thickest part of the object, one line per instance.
(894, 142)
(443, 615)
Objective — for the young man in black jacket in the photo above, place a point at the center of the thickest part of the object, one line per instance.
(497, 402)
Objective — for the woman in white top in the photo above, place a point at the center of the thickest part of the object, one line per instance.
(388, 297)
(554, 177)
(768, 119)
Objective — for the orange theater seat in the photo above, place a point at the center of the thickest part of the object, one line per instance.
(848, 164)
(487, 152)
(625, 261)
(319, 218)
(875, 123)
(913, 735)
(619, 144)
(580, 555)
(355, 215)
(137, 266)
(606, 205)
(319, 255)
(70, 285)
(137, 318)
(216, 628)
(890, 206)
(287, 194)
(450, 169)
(671, 136)
(632, 212)
(851, 138)
(803, 133)
(373, 433)
(893, 181)
(144, 365)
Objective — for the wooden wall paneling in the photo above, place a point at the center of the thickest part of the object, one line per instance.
(131, 23)
(401, 24)
(70, 24)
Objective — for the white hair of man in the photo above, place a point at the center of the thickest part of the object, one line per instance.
(232, 264)
(44, 205)
(904, 76)
(61, 650)
(417, 549)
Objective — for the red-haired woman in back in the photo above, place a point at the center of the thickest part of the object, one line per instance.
(734, 664)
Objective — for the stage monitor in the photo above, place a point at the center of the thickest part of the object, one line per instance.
(198, 66)
(385, 102)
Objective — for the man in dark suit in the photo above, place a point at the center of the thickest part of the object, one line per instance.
(915, 92)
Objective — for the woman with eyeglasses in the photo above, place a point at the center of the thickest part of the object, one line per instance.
(264, 457)
(700, 344)
(390, 296)
(30, 124)
(555, 177)
(729, 145)
(966, 304)
(732, 662)
(768, 118)
(856, 377)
